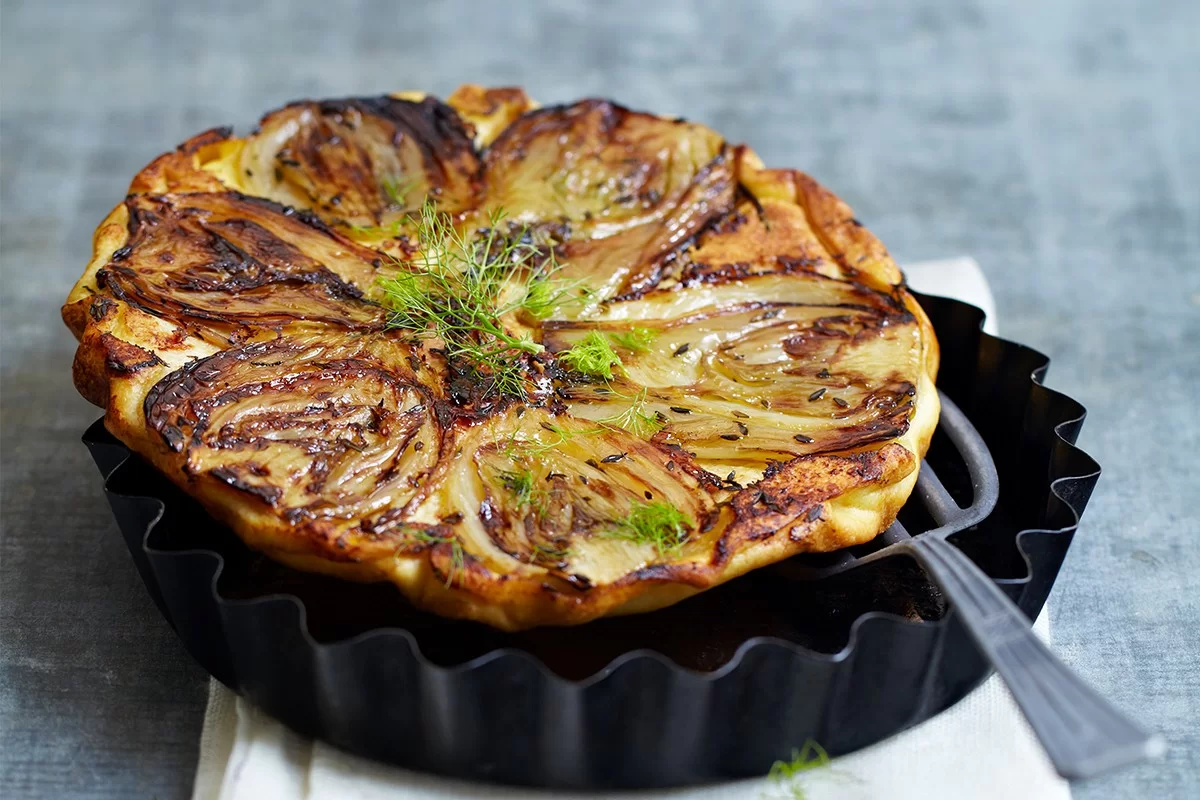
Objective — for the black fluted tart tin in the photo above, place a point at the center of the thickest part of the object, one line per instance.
(716, 687)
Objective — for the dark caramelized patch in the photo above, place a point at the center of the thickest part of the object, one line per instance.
(125, 358)
(358, 160)
(790, 494)
(311, 427)
(635, 188)
(220, 262)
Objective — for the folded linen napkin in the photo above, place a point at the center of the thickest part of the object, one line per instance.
(980, 748)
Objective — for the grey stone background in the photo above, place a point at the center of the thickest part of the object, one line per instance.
(1058, 142)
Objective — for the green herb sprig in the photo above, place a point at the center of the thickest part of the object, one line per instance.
(525, 490)
(550, 552)
(635, 418)
(596, 354)
(809, 757)
(654, 523)
(635, 340)
(391, 230)
(519, 484)
(520, 446)
(410, 536)
(593, 356)
(398, 189)
(459, 288)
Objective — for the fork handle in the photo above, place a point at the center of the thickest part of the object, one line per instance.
(1081, 731)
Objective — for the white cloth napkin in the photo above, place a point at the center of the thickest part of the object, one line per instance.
(980, 748)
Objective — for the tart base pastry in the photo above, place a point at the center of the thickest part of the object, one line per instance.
(683, 366)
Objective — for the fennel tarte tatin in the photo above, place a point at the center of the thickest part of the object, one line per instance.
(532, 365)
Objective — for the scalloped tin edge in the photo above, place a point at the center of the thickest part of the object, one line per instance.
(641, 720)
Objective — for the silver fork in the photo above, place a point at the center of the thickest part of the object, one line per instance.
(1082, 733)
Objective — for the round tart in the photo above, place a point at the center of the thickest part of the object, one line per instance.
(534, 366)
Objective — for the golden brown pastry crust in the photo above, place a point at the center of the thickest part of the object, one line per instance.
(230, 326)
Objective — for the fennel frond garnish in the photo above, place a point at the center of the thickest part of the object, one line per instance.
(636, 418)
(414, 536)
(654, 523)
(460, 288)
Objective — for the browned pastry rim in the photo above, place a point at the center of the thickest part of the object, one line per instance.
(232, 326)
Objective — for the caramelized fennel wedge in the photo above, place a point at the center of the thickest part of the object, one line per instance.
(764, 388)
(219, 262)
(364, 161)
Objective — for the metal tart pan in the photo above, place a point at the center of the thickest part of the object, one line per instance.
(714, 688)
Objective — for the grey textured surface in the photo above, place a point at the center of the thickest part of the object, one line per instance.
(1058, 142)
